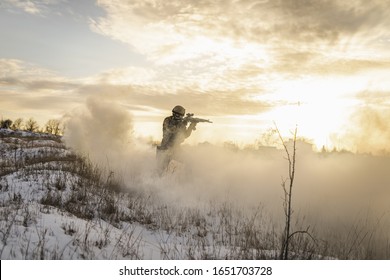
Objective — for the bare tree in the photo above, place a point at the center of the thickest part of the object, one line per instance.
(31, 125)
(288, 185)
(53, 127)
(17, 124)
(5, 123)
(287, 189)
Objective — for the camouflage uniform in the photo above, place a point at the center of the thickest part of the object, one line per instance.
(175, 131)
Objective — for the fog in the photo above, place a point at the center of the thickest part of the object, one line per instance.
(330, 187)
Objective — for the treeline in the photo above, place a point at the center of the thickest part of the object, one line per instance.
(52, 126)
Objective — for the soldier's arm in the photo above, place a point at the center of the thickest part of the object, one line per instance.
(190, 128)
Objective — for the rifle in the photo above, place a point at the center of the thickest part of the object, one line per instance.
(190, 118)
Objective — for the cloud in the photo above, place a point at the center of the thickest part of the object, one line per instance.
(125, 76)
(17, 75)
(376, 98)
(216, 103)
(298, 21)
(27, 90)
(27, 6)
(11, 67)
(34, 7)
(315, 63)
(38, 85)
(243, 44)
(32, 90)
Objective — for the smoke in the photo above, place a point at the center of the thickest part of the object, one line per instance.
(100, 126)
(102, 130)
(328, 185)
(370, 131)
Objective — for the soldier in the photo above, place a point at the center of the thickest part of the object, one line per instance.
(175, 131)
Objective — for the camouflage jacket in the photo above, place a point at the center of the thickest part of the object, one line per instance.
(174, 132)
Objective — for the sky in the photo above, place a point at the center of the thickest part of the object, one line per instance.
(248, 65)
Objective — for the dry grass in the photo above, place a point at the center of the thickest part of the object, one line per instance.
(71, 185)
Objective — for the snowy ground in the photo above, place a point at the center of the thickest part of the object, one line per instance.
(42, 219)
(55, 204)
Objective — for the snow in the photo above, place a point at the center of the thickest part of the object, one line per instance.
(52, 207)
(32, 166)
(55, 204)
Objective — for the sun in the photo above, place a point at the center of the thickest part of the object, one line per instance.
(320, 107)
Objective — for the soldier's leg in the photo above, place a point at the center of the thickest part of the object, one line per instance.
(163, 159)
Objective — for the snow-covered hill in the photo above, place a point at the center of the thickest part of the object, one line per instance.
(52, 206)
(58, 205)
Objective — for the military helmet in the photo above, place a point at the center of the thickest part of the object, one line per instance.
(179, 110)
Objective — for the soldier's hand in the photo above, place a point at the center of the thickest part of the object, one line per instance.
(193, 126)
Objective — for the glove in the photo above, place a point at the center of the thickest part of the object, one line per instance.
(192, 126)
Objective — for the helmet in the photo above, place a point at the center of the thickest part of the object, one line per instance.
(179, 110)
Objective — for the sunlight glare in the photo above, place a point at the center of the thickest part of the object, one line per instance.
(318, 107)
